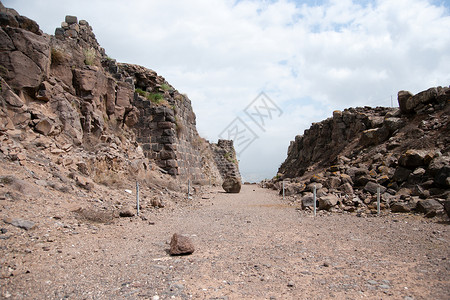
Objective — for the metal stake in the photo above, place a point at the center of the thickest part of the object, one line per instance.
(137, 197)
(378, 200)
(314, 200)
(189, 188)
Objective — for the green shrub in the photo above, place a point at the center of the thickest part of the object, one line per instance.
(165, 87)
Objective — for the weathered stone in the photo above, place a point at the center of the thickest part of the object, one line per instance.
(327, 202)
(292, 189)
(412, 158)
(232, 184)
(307, 200)
(372, 187)
(132, 117)
(11, 98)
(181, 245)
(84, 182)
(30, 63)
(71, 19)
(447, 207)
(44, 91)
(374, 136)
(429, 207)
(24, 224)
(401, 207)
(45, 126)
(393, 124)
(126, 212)
(440, 168)
(401, 174)
(347, 188)
(125, 94)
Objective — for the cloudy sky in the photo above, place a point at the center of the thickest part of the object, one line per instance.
(308, 57)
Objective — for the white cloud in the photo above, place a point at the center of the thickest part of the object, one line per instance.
(310, 58)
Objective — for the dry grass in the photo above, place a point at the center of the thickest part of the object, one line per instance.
(94, 215)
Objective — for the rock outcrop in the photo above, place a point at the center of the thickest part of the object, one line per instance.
(403, 152)
(100, 119)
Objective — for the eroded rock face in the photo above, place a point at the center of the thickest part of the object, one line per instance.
(66, 88)
(232, 184)
(402, 151)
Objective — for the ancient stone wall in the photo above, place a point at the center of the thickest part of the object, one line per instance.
(225, 158)
(69, 87)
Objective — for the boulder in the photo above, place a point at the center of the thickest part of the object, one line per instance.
(401, 174)
(71, 20)
(412, 158)
(307, 201)
(372, 187)
(402, 98)
(447, 207)
(429, 207)
(401, 207)
(374, 136)
(327, 202)
(292, 189)
(231, 184)
(181, 245)
(440, 169)
(126, 212)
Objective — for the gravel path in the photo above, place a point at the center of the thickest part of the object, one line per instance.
(250, 245)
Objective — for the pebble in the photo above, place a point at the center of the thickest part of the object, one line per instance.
(290, 284)
(156, 297)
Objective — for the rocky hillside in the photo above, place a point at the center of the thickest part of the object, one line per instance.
(65, 102)
(403, 151)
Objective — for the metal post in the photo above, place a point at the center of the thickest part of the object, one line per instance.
(189, 188)
(283, 189)
(137, 197)
(314, 200)
(378, 200)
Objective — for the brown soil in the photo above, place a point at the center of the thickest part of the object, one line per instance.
(250, 245)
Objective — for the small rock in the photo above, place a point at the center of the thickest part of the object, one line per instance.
(126, 212)
(24, 224)
(181, 245)
(290, 284)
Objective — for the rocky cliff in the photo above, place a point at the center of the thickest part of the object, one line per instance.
(63, 96)
(403, 151)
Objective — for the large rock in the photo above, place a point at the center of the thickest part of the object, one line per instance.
(401, 207)
(181, 245)
(429, 207)
(232, 185)
(327, 202)
(372, 187)
(440, 169)
(412, 158)
(403, 97)
(447, 207)
(29, 62)
(307, 200)
(374, 136)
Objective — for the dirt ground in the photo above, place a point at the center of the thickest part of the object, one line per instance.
(250, 245)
